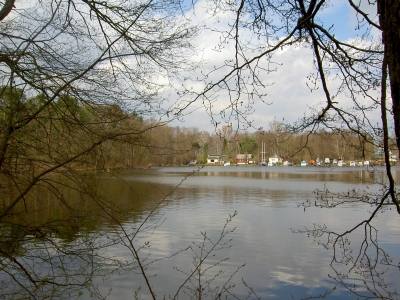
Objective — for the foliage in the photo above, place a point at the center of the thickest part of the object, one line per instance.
(248, 145)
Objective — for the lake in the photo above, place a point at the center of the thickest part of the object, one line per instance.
(278, 262)
(275, 246)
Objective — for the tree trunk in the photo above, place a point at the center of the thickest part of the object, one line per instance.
(6, 9)
(389, 19)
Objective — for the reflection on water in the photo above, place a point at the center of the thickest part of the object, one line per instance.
(279, 264)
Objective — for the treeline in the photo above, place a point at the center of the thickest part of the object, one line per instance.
(39, 136)
(277, 141)
(187, 145)
(111, 136)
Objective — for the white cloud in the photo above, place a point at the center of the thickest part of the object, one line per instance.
(288, 96)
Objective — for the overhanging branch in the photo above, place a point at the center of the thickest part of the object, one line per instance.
(6, 9)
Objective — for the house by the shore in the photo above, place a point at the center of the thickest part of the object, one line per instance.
(243, 159)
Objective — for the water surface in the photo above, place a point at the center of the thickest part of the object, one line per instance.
(278, 263)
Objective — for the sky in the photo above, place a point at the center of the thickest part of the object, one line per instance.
(288, 96)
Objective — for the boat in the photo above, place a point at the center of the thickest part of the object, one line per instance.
(263, 163)
(227, 164)
(303, 163)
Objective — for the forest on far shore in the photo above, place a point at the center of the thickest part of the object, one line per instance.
(173, 146)
(69, 123)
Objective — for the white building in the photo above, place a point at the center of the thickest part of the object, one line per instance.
(216, 159)
(275, 160)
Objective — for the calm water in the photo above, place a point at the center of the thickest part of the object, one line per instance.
(261, 255)
(278, 263)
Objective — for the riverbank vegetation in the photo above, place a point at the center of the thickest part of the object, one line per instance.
(68, 126)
